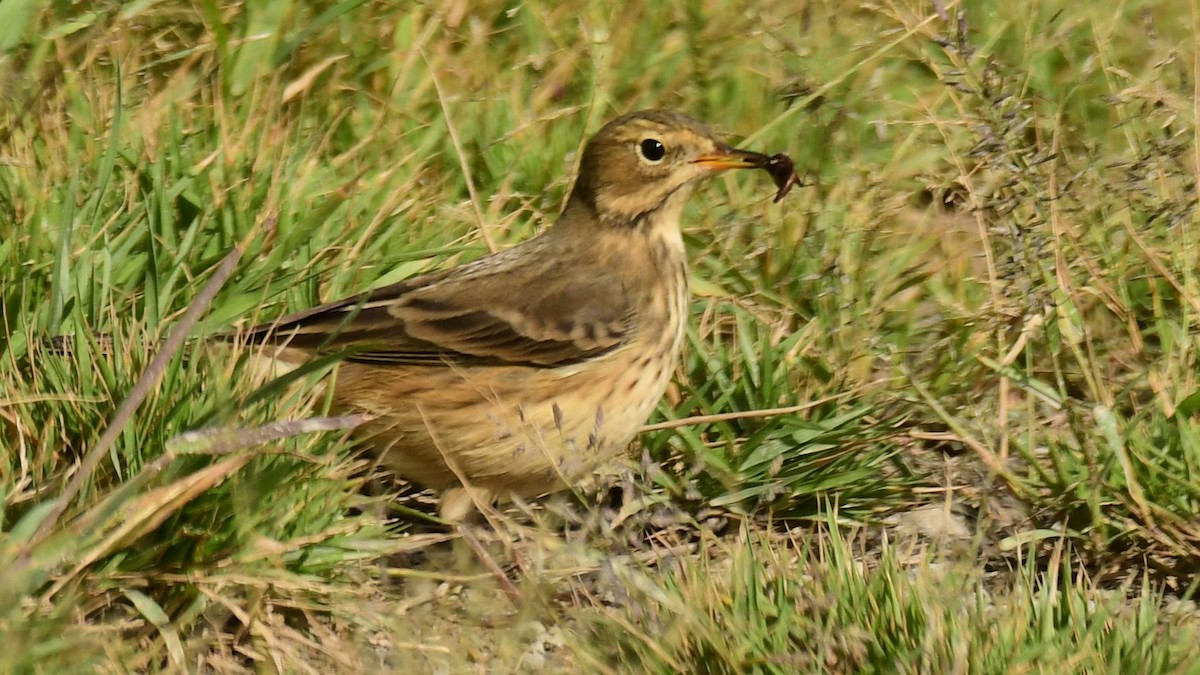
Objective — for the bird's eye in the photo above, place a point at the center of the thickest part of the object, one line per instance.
(652, 150)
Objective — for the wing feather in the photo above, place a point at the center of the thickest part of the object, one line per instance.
(473, 315)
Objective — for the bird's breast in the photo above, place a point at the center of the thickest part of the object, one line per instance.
(650, 360)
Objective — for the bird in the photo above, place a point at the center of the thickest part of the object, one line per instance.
(519, 373)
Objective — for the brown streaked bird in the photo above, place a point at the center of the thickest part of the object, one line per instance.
(516, 374)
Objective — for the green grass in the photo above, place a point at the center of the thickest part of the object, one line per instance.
(986, 299)
(790, 604)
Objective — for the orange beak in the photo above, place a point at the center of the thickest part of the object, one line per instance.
(726, 157)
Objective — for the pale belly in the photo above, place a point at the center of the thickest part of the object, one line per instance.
(514, 430)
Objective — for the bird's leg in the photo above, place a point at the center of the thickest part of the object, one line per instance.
(458, 506)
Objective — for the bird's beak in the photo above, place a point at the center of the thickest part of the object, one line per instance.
(725, 157)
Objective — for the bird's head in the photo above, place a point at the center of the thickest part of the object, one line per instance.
(647, 162)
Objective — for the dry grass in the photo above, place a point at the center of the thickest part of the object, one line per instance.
(981, 315)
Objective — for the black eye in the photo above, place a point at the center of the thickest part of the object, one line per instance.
(652, 150)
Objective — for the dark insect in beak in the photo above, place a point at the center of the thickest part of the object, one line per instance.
(779, 165)
(783, 172)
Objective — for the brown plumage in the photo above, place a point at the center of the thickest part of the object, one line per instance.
(517, 373)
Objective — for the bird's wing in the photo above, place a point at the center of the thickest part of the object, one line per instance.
(506, 316)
